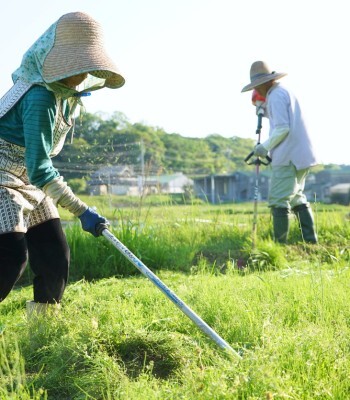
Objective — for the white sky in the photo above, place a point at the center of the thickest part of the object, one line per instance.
(186, 61)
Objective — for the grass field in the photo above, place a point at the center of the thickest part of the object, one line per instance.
(284, 309)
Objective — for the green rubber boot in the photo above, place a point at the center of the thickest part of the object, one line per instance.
(280, 224)
(306, 222)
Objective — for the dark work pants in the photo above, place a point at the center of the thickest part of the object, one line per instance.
(46, 248)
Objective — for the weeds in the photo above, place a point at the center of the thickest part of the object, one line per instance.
(285, 308)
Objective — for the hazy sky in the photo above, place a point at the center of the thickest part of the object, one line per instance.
(186, 61)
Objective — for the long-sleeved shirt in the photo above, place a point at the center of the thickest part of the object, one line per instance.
(32, 123)
(284, 112)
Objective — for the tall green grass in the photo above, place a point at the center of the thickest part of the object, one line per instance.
(180, 238)
(284, 308)
(122, 339)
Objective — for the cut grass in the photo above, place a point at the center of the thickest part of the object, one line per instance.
(118, 337)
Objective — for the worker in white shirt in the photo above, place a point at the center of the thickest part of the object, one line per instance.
(290, 147)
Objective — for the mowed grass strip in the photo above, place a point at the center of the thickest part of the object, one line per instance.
(284, 308)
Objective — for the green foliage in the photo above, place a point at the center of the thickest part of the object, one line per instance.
(122, 339)
(200, 237)
(78, 186)
(284, 308)
(268, 256)
(13, 380)
(110, 140)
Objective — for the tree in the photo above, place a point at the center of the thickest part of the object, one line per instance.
(101, 140)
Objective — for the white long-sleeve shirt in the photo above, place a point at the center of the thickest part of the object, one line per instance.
(284, 112)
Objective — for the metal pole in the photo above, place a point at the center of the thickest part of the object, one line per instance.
(256, 187)
(257, 162)
(170, 294)
(142, 160)
(212, 189)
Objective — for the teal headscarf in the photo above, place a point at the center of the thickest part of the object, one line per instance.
(31, 67)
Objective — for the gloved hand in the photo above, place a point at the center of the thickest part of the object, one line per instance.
(90, 220)
(260, 151)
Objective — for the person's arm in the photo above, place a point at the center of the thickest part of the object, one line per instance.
(63, 195)
(38, 109)
(277, 136)
(278, 105)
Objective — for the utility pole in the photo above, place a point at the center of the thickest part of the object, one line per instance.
(142, 160)
(212, 188)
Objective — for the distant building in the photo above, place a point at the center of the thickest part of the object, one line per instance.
(328, 186)
(235, 187)
(340, 193)
(170, 184)
(322, 186)
(121, 180)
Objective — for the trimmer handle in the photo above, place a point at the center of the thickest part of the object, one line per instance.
(258, 160)
(100, 228)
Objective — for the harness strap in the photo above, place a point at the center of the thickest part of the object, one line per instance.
(12, 96)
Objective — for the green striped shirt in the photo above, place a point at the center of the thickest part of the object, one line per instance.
(30, 124)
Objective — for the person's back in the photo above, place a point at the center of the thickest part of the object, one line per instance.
(284, 110)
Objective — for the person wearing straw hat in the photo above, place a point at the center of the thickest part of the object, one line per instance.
(67, 62)
(291, 149)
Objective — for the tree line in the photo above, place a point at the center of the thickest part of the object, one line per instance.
(100, 140)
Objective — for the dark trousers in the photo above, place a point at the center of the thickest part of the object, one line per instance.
(46, 248)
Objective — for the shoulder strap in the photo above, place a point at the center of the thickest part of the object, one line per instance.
(11, 97)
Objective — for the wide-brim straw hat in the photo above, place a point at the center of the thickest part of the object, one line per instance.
(260, 73)
(78, 48)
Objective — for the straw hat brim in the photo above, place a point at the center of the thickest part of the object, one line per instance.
(263, 79)
(67, 60)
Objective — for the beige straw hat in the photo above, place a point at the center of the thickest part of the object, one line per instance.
(260, 73)
(78, 48)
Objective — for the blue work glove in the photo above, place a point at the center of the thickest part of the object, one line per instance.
(260, 151)
(91, 220)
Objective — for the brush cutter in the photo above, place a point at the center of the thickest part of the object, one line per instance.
(257, 101)
(102, 230)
